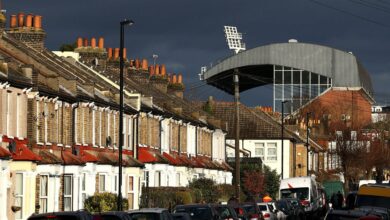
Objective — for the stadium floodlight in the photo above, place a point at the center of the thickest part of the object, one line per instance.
(234, 39)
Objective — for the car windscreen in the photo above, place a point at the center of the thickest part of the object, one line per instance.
(298, 193)
(250, 208)
(197, 213)
(263, 207)
(224, 212)
(144, 216)
(377, 201)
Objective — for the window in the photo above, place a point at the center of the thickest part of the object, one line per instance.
(102, 182)
(19, 195)
(259, 150)
(177, 179)
(145, 181)
(157, 178)
(83, 187)
(43, 193)
(271, 152)
(130, 192)
(68, 193)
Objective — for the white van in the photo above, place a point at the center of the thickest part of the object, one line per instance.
(304, 189)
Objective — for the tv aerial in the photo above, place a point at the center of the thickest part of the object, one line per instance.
(234, 39)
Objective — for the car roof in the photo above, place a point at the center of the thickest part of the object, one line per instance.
(148, 210)
(75, 213)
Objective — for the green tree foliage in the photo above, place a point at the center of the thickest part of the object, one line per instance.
(271, 182)
(165, 197)
(103, 202)
(205, 190)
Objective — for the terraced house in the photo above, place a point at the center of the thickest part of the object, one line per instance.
(59, 124)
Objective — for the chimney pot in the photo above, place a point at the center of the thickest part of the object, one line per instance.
(151, 70)
(79, 42)
(145, 65)
(174, 79)
(157, 69)
(116, 53)
(13, 21)
(169, 78)
(85, 42)
(109, 53)
(93, 42)
(180, 78)
(137, 63)
(124, 53)
(163, 71)
(131, 63)
(29, 20)
(20, 19)
(38, 22)
(101, 42)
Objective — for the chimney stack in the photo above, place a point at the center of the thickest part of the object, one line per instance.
(151, 70)
(137, 63)
(28, 30)
(176, 86)
(163, 70)
(124, 53)
(180, 78)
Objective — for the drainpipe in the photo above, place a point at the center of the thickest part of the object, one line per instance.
(196, 141)
(76, 106)
(136, 136)
(179, 144)
(161, 129)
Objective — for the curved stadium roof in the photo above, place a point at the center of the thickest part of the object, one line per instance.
(256, 66)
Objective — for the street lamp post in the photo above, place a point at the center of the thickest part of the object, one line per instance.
(237, 135)
(121, 65)
(283, 135)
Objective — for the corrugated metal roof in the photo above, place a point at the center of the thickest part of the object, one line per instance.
(343, 67)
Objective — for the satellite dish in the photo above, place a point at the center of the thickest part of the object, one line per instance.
(12, 146)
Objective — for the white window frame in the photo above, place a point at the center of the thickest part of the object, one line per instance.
(104, 176)
(45, 111)
(157, 178)
(75, 126)
(43, 197)
(129, 134)
(259, 145)
(36, 122)
(276, 152)
(18, 124)
(83, 188)
(145, 178)
(178, 179)
(83, 126)
(8, 120)
(130, 192)
(100, 128)
(108, 126)
(19, 214)
(69, 196)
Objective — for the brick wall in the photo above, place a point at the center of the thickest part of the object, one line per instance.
(37, 190)
(183, 138)
(61, 194)
(34, 39)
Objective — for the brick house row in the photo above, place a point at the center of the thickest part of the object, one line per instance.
(59, 125)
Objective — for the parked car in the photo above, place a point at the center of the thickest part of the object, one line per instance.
(351, 214)
(112, 216)
(253, 211)
(181, 216)
(150, 213)
(373, 195)
(208, 211)
(284, 210)
(298, 209)
(76, 215)
(267, 210)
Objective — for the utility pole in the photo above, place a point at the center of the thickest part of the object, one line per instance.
(237, 136)
(307, 143)
(282, 136)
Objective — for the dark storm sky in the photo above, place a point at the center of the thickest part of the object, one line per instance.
(189, 34)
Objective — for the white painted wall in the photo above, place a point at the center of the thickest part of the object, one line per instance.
(249, 145)
(165, 134)
(218, 143)
(5, 184)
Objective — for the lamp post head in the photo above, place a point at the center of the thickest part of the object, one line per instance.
(127, 22)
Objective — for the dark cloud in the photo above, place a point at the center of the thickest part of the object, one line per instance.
(189, 34)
